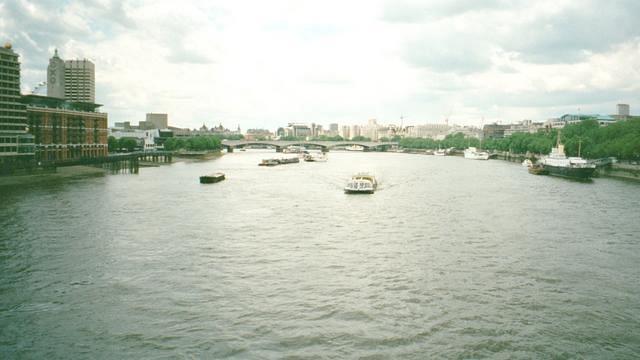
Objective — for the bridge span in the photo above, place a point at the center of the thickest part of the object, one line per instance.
(230, 145)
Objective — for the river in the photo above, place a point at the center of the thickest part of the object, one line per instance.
(450, 258)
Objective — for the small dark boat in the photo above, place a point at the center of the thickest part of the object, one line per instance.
(269, 162)
(538, 169)
(289, 160)
(212, 178)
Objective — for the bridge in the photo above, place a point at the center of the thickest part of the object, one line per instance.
(230, 145)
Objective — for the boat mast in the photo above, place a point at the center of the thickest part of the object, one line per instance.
(579, 146)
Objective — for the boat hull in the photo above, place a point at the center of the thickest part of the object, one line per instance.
(350, 191)
(210, 179)
(581, 173)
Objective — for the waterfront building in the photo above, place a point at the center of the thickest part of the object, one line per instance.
(65, 130)
(72, 80)
(344, 132)
(355, 131)
(494, 131)
(297, 130)
(524, 126)
(467, 131)
(258, 134)
(333, 129)
(431, 131)
(16, 145)
(370, 130)
(146, 139)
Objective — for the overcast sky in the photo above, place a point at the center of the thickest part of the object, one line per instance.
(262, 64)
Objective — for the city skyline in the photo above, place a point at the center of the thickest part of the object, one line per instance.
(264, 65)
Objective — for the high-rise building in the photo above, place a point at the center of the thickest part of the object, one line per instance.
(55, 76)
(16, 145)
(80, 81)
(72, 80)
(623, 109)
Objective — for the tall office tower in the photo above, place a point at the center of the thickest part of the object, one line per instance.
(55, 77)
(80, 81)
(72, 80)
(15, 143)
(623, 109)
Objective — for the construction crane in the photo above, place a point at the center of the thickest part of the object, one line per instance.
(37, 87)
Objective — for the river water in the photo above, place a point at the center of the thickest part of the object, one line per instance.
(450, 258)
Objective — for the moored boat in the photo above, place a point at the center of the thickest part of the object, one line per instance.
(212, 178)
(289, 160)
(361, 183)
(537, 169)
(558, 164)
(322, 157)
(269, 162)
(440, 152)
(474, 154)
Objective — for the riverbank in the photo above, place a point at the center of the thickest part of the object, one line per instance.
(621, 171)
(60, 173)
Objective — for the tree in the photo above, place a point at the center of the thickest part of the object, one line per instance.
(112, 144)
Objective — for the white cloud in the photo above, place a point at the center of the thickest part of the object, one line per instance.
(263, 64)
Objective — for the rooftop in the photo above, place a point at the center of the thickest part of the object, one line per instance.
(58, 103)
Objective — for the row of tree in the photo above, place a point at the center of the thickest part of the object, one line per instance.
(195, 143)
(587, 139)
(122, 144)
(323, 138)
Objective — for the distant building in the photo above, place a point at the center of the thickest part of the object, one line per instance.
(65, 130)
(524, 126)
(355, 131)
(603, 120)
(494, 131)
(146, 139)
(158, 121)
(258, 134)
(432, 131)
(72, 80)
(623, 110)
(333, 129)
(16, 145)
(298, 130)
(345, 132)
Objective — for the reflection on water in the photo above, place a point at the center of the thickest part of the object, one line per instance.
(449, 258)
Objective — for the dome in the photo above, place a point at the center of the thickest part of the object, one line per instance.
(7, 45)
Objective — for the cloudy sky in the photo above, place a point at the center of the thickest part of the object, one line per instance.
(261, 64)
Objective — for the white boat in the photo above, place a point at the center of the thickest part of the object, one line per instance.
(473, 154)
(315, 157)
(527, 163)
(354, 148)
(361, 183)
(440, 152)
(294, 149)
(558, 164)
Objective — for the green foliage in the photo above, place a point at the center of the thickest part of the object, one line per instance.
(292, 138)
(360, 138)
(195, 143)
(112, 143)
(328, 138)
(457, 140)
(621, 140)
(122, 144)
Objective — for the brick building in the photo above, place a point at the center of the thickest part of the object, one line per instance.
(65, 130)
